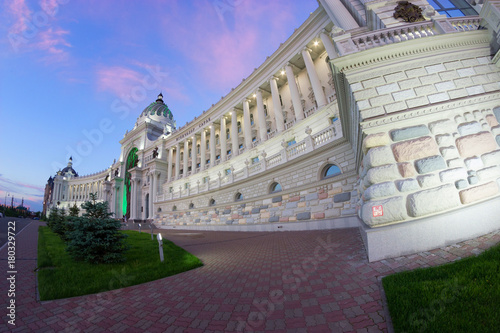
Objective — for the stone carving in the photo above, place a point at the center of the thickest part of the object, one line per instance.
(408, 12)
(155, 152)
(116, 173)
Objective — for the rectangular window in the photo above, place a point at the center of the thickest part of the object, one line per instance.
(205, 180)
(170, 189)
(186, 186)
(291, 142)
(239, 129)
(218, 157)
(198, 165)
(333, 119)
(452, 8)
(241, 146)
(227, 171)
(229, 152)
(255, 160)
(254, 139)
(208, 161)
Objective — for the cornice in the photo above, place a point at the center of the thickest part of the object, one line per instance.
(466, 102)
(416, 48)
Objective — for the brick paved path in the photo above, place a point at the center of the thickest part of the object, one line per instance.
(313, 281)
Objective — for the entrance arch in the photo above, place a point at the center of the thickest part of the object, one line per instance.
(132, 161)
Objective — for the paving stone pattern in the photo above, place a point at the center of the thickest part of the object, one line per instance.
(307, 281)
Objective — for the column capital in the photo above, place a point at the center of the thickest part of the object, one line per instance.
(273, 77)
(305, 48)
(246, 99)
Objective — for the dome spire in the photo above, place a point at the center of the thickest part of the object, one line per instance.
(160, 98)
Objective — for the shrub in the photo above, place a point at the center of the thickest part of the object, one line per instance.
(95, 237)
(57, 222)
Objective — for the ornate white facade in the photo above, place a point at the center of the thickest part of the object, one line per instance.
(358, 119)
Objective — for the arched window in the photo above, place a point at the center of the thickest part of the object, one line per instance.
(211, 202)
(191, 205)
(217, 139)
(198, 149)
(239, 126)
(330, 170)
(238, 197)
(174, 208)
(275, 187)
(159, 209)
(251, 119)
(227, 133)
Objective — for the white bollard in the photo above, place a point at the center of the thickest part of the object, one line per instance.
(151, 226)
(160, 245)
(139, 228)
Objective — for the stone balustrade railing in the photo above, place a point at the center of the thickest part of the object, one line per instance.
(298, 149)
(372, 39)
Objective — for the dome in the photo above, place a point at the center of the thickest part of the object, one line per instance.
(157, 111)
(69, 169)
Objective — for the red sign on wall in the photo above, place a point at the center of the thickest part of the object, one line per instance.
(378, 211)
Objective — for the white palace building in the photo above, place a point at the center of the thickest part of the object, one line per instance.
(380, 115)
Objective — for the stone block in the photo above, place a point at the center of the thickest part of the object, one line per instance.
(284, 219)
(477, 193)
(427, 181)
(378, 156)
(474, 90)
(197, 221)
(277, 199)
(381, 100)
(463, 72)
(430, 164)
(416, 102)
(395, 107)
(304, 216)
(342, 197)
(406, 169)
(473, 180)
(255, 210)
(445, 140)
(319, 216)
(496, 112)
(455, 163)
(449, 152)
(473, 163)
(373, 82)
(433, 200)
(245, 213)
(476, 144)
(445, 85)
(291, 205)
(382, 173)
(375, 140)
(393, 210)
(435, 68)
(492, 158)
(394, 77)
(387, 88)
(274, 219)
(489, 173)
(415, 72)
(407, 185)
(492, 120)
(380, 190)
(403, 94)
(469, 128)
(409, 83)
(409, 133)
(415, 149)
(311, 196)
(461, 184)
(442, 127)
(451, 175)
(348, 212)
(294, 198)
(227, 211)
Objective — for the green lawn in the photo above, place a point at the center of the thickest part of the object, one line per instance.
(463, 296)
(60, 277)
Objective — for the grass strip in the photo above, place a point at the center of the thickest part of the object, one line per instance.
(463, 296)
(59, 276)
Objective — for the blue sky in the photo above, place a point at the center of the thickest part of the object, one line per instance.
(68, 68)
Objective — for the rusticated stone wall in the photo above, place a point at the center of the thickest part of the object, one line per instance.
(305, 196)
(417, 171)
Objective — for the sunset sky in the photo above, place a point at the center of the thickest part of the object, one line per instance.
(67, 66)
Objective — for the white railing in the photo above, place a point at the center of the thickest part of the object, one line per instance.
(310, 111)
(323, 137)
(290, 124)
(271, 135)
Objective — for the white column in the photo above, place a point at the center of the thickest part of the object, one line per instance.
(339, 14)
(185, 158)
(313, 77)
(294, 91)
(177, 160)
(328, 44)
(203, 150)
(170, 157)
(222, 136)
(278, 113)
(247, 128)
(261, 116)
(151, 190)
(194, 154)
(212, 145)
(234, 133)
(132, 198)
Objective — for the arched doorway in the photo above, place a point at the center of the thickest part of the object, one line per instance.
(132, 160)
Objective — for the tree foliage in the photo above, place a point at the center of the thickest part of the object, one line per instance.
(74, 210)
(57, 222)
(95, 237)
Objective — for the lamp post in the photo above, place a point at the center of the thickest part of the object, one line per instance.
(160, 246)
(5, 201)
(139, 228)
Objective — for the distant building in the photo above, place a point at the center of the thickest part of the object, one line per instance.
(359, 119)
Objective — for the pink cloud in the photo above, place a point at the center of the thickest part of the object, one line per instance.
(118, 80)
(53, 42)
(222, 52)
(19, 12)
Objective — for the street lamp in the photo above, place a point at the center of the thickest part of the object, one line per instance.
(5, 201)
